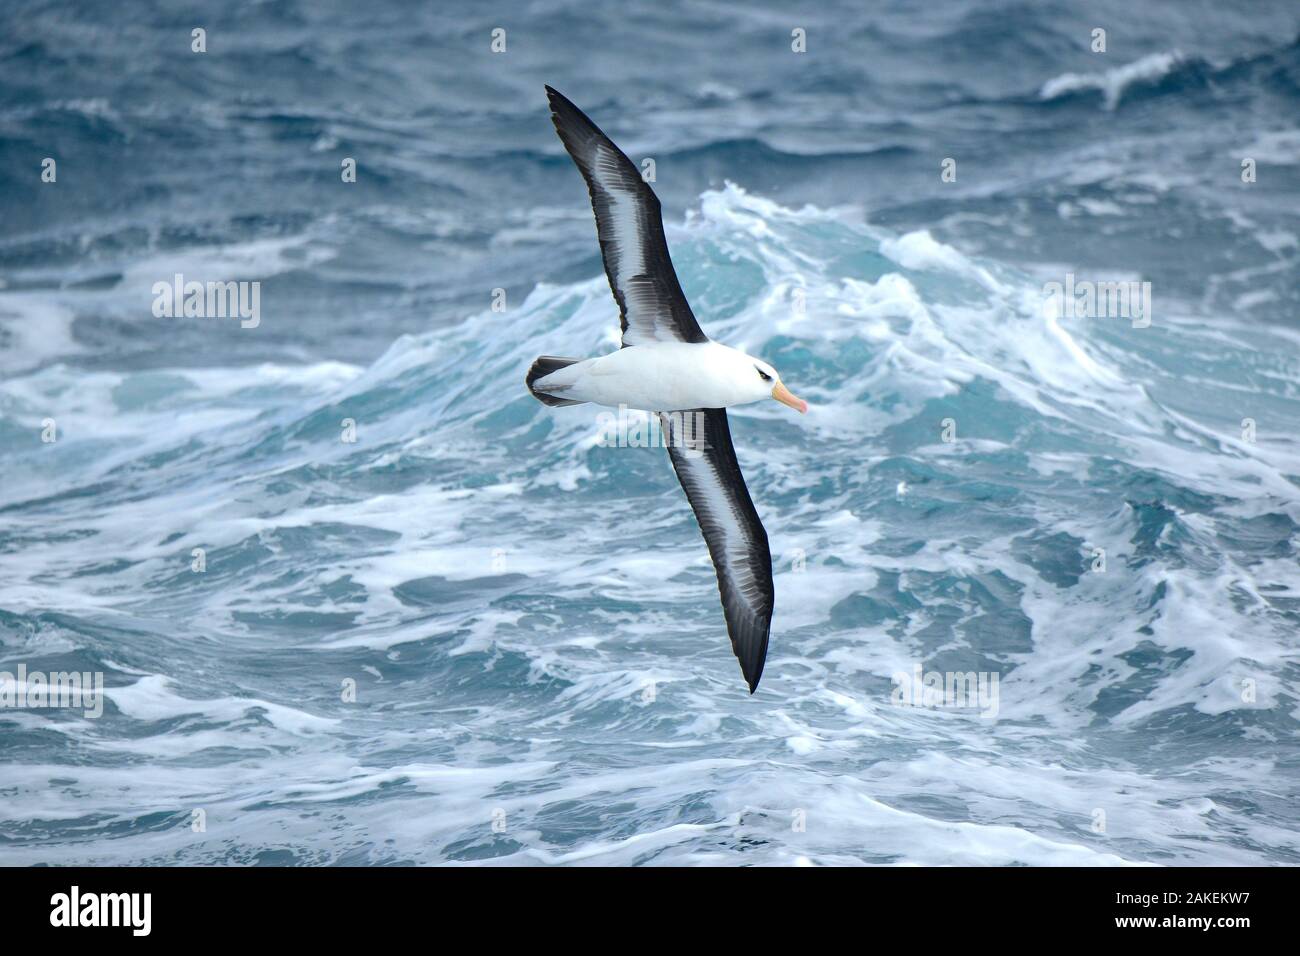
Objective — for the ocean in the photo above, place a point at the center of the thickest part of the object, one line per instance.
(355, 597)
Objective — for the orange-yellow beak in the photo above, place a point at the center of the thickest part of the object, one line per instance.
(786, 397)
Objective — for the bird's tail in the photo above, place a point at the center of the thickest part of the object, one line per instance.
(545, 365)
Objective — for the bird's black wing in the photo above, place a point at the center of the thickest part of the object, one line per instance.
(699, 442)
(652, 307)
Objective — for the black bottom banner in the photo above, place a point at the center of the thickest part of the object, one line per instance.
(1228, 906)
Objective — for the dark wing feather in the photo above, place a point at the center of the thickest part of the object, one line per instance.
(699, 442)
(652, 306)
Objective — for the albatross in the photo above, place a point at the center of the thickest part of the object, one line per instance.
(667, 365)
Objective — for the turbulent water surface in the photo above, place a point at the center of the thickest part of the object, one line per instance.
(479, 632)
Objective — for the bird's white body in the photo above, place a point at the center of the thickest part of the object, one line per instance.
(664, 377)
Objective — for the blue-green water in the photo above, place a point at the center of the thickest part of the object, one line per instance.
(478, 633)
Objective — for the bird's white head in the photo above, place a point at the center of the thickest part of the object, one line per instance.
(755, 380)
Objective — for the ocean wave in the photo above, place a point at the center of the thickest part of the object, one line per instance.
(497, 582)
(1114, 82)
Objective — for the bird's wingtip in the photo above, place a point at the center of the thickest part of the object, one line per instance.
(558, 102)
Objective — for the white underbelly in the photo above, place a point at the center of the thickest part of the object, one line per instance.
(661, 377)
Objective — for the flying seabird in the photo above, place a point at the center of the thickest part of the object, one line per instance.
(669, 366)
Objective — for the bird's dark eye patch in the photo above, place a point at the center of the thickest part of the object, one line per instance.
(763, 375)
